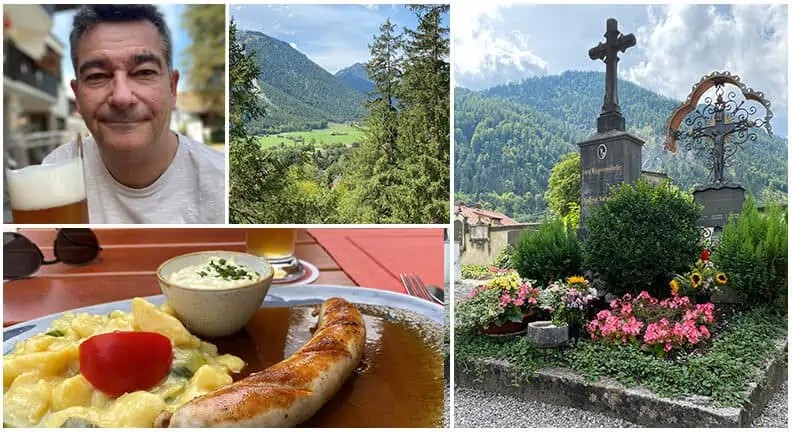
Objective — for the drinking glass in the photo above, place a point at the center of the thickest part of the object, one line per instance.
(50, 193)
(276, 245)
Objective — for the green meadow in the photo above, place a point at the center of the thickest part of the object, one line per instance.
(334, 133)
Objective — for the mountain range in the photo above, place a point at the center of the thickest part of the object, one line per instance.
(356, 76)
(297, 93)
(507, 139)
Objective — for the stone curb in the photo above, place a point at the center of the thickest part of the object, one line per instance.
(565, 387)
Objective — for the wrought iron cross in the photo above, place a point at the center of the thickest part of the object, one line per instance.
(611, 118)
(715, 130)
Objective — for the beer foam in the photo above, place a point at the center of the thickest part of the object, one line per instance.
(37, 187)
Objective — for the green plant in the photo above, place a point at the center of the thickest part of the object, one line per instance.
(640, 236)
(752, 250)
(703, 280)
(473, 271)
(503, 299)
(568, 301)
(505, 259)
(550, 253)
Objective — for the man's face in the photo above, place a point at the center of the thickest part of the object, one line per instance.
(124, 90)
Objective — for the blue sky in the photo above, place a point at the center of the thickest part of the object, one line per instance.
(172, 12)
(333, 36)
(677, 44)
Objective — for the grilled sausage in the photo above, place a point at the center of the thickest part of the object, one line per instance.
(290, 392)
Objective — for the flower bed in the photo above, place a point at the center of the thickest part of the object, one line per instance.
(658, 326)
(504, 299)
(723, 373)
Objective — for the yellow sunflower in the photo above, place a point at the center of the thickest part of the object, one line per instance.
(576, 280)
(721, 279)
(674, 286)
(695, 279)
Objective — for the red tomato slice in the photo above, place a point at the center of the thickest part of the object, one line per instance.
(122, 362)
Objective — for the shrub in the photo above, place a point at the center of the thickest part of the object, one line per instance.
(752, 250)
(550, 253)
(505, 260)
(640, 236)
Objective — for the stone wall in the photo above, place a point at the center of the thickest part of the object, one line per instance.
(482, 252)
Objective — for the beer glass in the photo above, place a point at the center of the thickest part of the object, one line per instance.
(51, 193)
(276, 245)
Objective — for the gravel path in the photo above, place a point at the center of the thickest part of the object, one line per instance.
(774, 415)
(474, 408)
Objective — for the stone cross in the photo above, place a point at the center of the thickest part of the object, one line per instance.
(611, 117)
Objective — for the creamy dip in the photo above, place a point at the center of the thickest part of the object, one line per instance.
(217, 273)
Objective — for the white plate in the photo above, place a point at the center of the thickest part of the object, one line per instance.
(278, 296)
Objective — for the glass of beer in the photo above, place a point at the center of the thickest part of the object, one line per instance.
(51, 193)
(276, 245)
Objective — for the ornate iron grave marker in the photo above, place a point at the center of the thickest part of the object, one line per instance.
(610, 156)
(714, 129)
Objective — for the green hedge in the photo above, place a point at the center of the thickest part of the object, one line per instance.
(550, 253)
(641, 235)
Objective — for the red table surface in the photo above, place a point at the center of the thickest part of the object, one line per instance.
(376, 257)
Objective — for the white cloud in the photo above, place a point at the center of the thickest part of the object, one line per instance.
(293, 45)
(682, 43)
(484, 55)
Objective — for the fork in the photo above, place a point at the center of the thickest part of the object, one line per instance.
(415, 286)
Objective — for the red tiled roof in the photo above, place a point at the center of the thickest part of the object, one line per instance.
(478, 215)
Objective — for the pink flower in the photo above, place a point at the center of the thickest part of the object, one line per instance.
(518, 301)
(532, 300)
(668, 347)
(704, 332)
(505, 299)
(632, 326)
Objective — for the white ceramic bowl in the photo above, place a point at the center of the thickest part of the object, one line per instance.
(215, 312)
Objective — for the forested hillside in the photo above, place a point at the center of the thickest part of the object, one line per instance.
(297, 93)
(356, 76)
(508, 138)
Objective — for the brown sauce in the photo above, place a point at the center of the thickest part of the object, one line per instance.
(399, 383)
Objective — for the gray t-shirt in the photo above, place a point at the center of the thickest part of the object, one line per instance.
(190, 191)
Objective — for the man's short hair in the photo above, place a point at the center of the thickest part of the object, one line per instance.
(91, 15)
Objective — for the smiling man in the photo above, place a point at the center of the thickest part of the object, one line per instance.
(136, 169)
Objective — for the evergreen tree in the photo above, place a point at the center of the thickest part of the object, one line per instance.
(421, 193)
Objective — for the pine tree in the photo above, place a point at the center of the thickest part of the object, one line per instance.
(424, 135)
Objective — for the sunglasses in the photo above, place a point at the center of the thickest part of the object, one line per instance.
(22, 258)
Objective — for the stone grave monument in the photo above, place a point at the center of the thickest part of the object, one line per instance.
(610, 156)
(713, 124)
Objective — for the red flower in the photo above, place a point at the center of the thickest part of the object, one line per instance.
(705, 255)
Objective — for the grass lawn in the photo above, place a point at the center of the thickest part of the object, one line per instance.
(334, 133)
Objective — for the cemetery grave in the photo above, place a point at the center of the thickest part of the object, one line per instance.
(662, 308)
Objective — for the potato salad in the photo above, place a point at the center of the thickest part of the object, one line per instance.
(116, 370)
